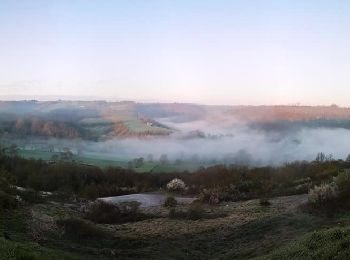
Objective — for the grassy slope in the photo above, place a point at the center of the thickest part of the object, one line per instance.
(20, 245)
(248, 231)
(10, 250)
(333, 243)
(279, 231)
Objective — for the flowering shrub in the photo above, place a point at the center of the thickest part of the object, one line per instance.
(176, 185)
(321, 195)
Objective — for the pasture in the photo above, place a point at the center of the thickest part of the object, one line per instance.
(103, 162)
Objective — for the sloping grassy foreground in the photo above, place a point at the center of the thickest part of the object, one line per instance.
(242, 230)
(17, 250)
(326, 244)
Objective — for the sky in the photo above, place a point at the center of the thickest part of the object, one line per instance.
(214, 52)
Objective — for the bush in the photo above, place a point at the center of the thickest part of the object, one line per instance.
(194, 212)
(108, 213)
(264, 202)
(173, 213)
(7, 181)
(342, 180)
(300, 186)
(80, 229)
(323, 194)
(31, 196)
(7, 201)
(176, 185)
(170, 202)
(210, 196)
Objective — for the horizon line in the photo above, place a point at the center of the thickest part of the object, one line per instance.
(69, 98)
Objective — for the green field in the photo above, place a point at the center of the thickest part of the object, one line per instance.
(157, 167)
(103, 163)
(44, 155)
(35, 154)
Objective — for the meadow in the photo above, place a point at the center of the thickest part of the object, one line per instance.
(100, 161)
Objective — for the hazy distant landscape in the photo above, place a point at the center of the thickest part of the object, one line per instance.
(187, 136)
(174, 130)
(129, 180)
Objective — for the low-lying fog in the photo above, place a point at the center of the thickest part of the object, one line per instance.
(245, 147)
(242, 145)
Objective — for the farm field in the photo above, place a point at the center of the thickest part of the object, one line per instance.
(102, 162)
(47, 156)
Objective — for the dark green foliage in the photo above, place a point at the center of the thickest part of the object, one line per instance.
(7, 201)
(31, 196)
(332, 197)
(196, 211)
(80, 229)
(328, 244)
(212, 196)
(170, 202)
(7, 198)
(225, 183)
(107, 213)
(10, 250)
(264, 202)
(342, 180)
(7, 180)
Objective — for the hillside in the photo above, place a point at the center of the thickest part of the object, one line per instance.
(69, 119)
(100, 120)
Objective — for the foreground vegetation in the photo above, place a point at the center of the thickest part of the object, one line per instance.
(47, 210)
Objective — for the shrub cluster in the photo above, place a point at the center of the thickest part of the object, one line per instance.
(75, 228)
(7, 198)
(224, 182)
(31, 196)
(210, 196)
(323, 194)
(170, 202)
(264, 202)
(194, 212)
(108, 213)
(334, 195)
(7, 201)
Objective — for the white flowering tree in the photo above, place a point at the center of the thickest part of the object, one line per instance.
(176, 185)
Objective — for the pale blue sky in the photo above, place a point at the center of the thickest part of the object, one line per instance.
(215, 52)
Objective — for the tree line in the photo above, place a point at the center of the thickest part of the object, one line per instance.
(233, 181)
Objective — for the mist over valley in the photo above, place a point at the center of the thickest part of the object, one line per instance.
(123, 131)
